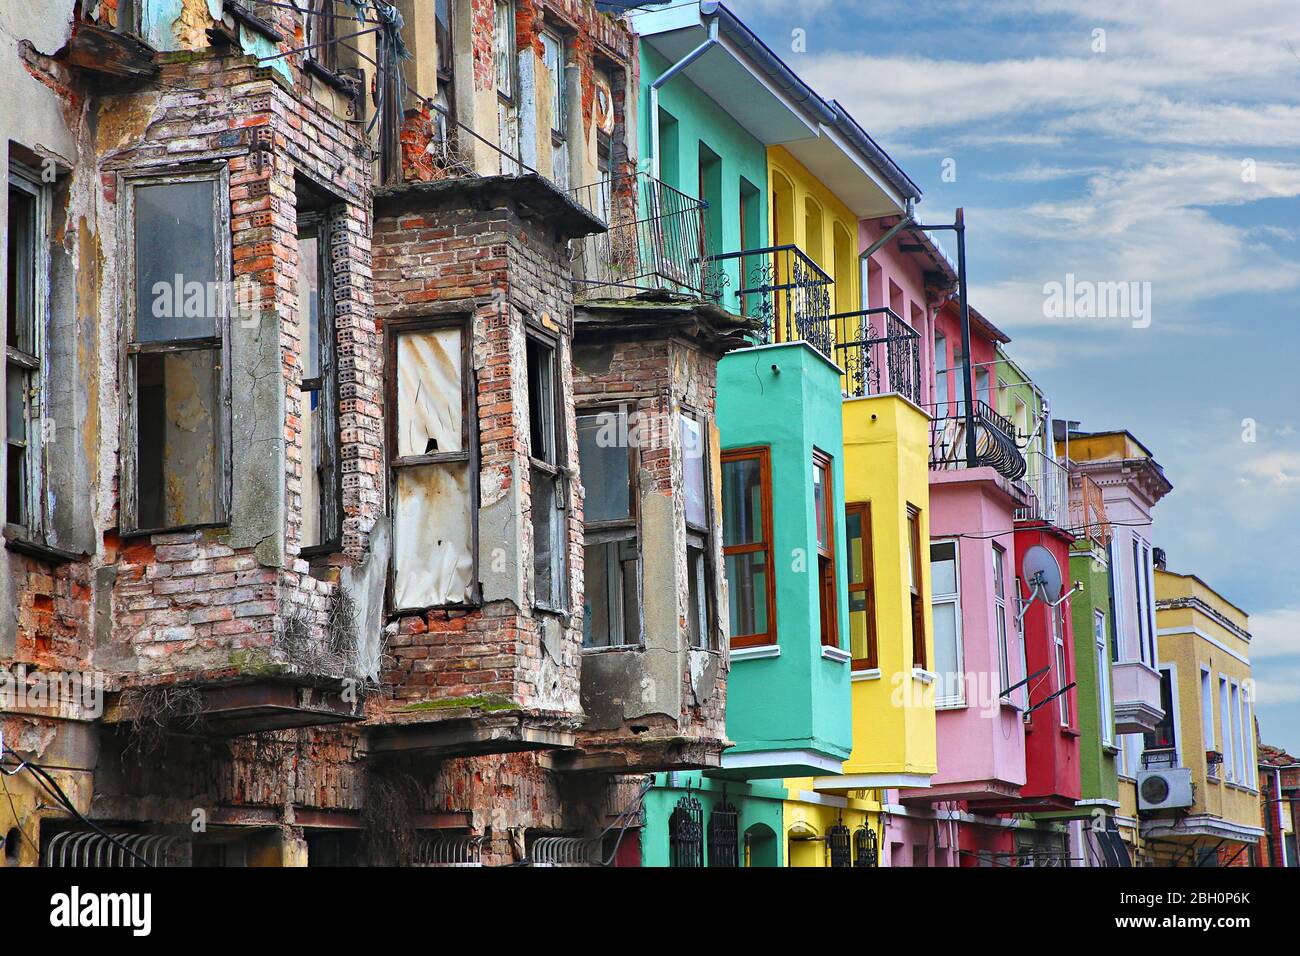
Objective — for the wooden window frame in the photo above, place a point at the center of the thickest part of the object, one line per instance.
(868, 583)
(31, 366)
(557, 601)
(763, 454)
(394, 328)
(827, 592)
(616, 530)
(325, 382)
(129, 349)
(919, 657)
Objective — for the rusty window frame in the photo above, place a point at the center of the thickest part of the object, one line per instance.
(621, 532)
(394, 328)
(550, 464)
(867, 585)
(827, 592)
(28, 363)
(130, 349)
(763, 455)
(325, 385)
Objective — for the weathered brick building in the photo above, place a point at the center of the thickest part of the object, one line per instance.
(301, 413)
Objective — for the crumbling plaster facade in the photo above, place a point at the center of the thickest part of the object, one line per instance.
(240, 603)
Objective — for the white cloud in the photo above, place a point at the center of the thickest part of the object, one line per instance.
(1275, 633)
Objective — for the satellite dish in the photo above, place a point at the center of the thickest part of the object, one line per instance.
(1039, 567)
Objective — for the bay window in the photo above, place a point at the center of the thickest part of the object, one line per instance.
(175, 449)
(747, 545)
(432, 458)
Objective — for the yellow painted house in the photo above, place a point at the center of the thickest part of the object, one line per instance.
(1193, 798)
(886, 528)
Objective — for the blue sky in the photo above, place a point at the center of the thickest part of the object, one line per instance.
(1119, 165)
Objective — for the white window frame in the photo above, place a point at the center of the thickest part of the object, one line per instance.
(1238, 754)
(949, 701)
(33, 365)
(1058, 648)
(1207, 709)
(1225, 728)
(1250, 776)
(1105, 715)
(999, 556)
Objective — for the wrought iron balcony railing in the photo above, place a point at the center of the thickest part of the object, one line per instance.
(781, 290)
(879, 352)
(655, 242)
(1088, 511)
(995, 439)
(1049, 491)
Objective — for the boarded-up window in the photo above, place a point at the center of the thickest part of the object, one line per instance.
(320, 487)
(175, 467)
(612, 611)
(547, 486)
(433, 478)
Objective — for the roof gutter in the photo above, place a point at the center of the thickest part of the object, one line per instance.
(662, 81)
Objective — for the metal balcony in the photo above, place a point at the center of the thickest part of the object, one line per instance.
(1049, 491)
(1088, 511)
(655, 242)
(781, 290)
(880, 354)
(995, 439)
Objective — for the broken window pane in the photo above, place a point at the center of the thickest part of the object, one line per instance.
(541, 401)
(176, 291)
(693, 467)
(178, 471)
(320, 501)
(548, 540)
(432, 536)
(698, 591)
(504, 45)
(612, 612)
(603, 459)
(21, 363)
(430, 398)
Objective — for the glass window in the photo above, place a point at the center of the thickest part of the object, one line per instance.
(26, 279)
(946, 600)
(747, 545)
(823, 497)
(1103, 676)
(694, 467)
(862, 605)
(177, 465)
(1000, 615)
(547, 488)
(914, 581)
(503, 34)
(612, 607)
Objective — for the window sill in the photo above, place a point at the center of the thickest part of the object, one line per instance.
(336, 81)
(922, 675)
(758, 652)
(836, 654)
(1070, 732)
(16, 541)
(871, 673)
(612, 648)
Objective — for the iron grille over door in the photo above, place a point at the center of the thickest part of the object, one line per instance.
(724, 836)
(865, 849)
(839, 844)
(686, 833)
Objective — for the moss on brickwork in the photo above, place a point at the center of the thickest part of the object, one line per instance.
(478, 701)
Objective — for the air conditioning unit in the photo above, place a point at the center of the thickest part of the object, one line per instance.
(1164, 789)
